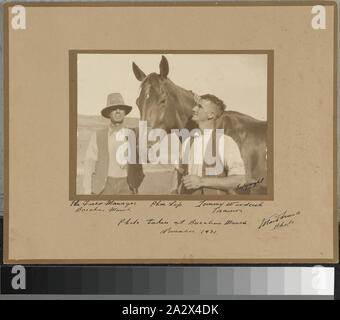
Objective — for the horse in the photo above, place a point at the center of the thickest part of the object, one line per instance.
(165, 105)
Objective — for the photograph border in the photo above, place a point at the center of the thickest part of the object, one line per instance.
(6, 7)
(73, 123)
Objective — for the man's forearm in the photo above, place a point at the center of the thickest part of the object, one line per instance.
(222, 183)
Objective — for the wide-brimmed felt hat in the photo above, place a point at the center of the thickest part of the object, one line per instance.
(115, 101)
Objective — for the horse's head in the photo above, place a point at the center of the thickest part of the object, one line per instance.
(161, 103)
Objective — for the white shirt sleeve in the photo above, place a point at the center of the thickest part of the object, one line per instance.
(184, 154)
(92, 149)
(232, 157)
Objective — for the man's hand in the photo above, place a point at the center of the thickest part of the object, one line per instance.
(192, 182)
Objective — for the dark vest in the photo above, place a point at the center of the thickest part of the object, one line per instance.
(185, 171)
(135, 173)
(102, 165)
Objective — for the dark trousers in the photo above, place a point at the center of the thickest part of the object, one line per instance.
(116, 186)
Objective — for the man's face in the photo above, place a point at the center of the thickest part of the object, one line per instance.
(204, 110)
(117, 115)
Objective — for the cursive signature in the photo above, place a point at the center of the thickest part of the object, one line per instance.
(250, 185)
(278, 221)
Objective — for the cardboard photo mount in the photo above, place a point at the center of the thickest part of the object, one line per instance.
(41, 225)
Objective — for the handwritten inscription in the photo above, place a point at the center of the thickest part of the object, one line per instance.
(110, 206)
(220, 214)
(181, 226)
(176, 231)
(173, 204)
(214, 207)
(279, 221)
(227, 207)
(250, 185)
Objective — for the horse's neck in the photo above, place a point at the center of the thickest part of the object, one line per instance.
(183, 105)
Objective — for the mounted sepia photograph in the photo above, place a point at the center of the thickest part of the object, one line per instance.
(180, 125)
(171, 133)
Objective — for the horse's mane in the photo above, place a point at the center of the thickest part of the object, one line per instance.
(185, 103)
(235, 123)
(243, 117)
(185, 98)
(240, 116)
(182, 90)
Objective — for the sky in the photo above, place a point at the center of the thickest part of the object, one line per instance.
(240, 80)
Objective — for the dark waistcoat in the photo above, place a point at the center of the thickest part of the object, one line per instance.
(204, 166)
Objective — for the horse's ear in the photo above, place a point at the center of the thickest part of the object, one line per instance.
(164, 67)
(140, 75)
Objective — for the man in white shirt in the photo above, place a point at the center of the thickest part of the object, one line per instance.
(203, 177)
(102, 173)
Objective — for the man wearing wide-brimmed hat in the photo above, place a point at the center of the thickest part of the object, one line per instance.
(103, 174)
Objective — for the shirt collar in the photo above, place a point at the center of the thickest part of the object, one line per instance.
(114, 129)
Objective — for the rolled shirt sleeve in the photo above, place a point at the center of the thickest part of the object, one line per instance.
(232, 157)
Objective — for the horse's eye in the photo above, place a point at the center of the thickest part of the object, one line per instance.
(162, 101)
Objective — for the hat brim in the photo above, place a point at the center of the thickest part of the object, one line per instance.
(107, 110)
